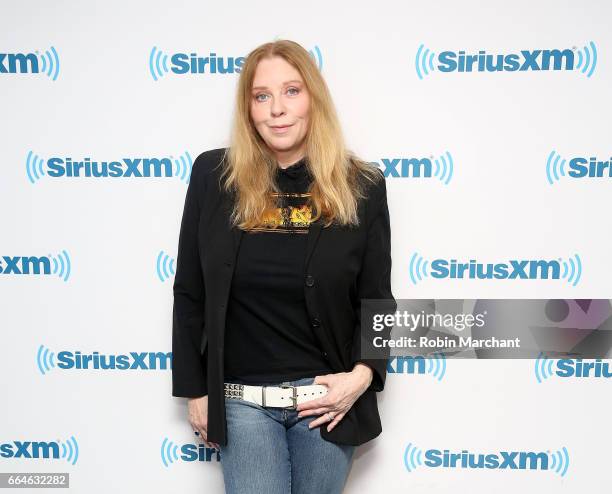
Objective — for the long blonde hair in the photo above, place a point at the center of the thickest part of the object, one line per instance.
(249, 166)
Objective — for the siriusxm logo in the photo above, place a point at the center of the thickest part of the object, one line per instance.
(46, 360)
(56, 167)
(164, 266)
(557, 461)
(188, 452)
(522, 269)
(31, 63)
(56, 450)
(435, 365)
(161, 63)
(58, 265)
(546, 367)
(577, 167)
(583, 60)
(440, 168)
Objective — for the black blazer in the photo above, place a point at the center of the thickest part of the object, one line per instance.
(342, 266)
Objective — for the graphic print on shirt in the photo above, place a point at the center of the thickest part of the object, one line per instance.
(292, 216)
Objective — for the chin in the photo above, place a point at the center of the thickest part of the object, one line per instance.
(281, 146)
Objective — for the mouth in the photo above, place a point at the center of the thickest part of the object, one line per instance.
(280, 129)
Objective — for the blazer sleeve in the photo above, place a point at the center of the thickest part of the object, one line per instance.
(189, 349)
(374, 280)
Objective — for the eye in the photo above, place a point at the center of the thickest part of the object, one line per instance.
(257, 97)
(294, 89)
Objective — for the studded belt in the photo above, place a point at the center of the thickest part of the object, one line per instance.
(282, 396)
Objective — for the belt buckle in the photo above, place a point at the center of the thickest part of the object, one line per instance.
(293, 397)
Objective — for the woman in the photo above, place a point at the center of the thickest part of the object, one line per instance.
(283, 234)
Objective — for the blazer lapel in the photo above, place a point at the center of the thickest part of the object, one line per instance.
(236, 238)
(235, 232)
(314, 230)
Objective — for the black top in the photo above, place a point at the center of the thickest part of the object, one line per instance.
(268, 336)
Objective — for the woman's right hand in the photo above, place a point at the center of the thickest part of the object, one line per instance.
(198, 418)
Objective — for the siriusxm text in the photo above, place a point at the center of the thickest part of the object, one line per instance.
(182, 63)
(25, 265)
(536, 60)
(129, 361)
(513, 269)
(127, 167)
(22, 63)
(592, 168)
(578, 368)
(513, 460)
(30, 449)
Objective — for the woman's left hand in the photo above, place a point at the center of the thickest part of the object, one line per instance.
(343, 390)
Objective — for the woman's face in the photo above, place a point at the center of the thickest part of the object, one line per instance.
(280, 106)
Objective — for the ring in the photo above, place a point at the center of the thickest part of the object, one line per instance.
(331, 417)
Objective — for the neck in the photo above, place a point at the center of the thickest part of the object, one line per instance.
(289, 158)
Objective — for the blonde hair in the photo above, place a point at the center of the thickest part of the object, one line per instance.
(249, 166)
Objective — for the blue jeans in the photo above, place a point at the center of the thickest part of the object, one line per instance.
(271, 450)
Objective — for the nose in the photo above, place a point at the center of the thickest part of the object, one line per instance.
(277, 108)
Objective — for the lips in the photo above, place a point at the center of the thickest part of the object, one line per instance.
(281, 130)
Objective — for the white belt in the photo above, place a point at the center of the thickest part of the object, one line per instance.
(283, 396)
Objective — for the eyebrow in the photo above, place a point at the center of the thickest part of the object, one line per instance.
(284, 84)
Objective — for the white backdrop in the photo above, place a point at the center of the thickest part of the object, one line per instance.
(99, 99)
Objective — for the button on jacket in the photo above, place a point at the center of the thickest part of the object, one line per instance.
(343, 265)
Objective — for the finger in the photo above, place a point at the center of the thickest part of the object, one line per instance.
(323, 419)
(202, 433)
(316, 423)
(312, 404)
(334, 422)
(207, 443)
(320, 380)
(315, 411)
